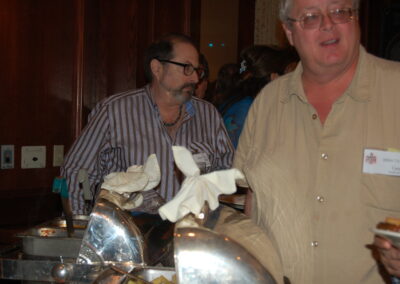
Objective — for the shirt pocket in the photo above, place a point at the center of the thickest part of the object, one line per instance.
(204, 156)
(381, 191)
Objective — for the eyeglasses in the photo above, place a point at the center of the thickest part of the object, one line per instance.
(312, 20)
(188, 68)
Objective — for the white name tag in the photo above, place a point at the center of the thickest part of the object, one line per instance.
(381, 162)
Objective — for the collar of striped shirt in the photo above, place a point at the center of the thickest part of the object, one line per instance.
(189, 107)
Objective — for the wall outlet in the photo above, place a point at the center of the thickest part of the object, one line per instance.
(58, 155)
(7, 156)
(33, 157)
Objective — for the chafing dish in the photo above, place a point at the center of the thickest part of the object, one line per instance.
(112, 249)
(112, 238)
(50, 239)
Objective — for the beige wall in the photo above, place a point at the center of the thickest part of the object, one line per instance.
(267, 28)
(219, 26)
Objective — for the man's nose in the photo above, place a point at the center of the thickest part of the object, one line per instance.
(326, 23)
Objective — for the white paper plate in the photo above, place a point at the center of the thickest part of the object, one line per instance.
(394, 237)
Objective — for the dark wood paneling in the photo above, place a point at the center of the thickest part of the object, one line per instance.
(78, 98)
(117, 33)
(114, 49)
(373, 17)
(37, 87)
(58, 59)
(246, 24)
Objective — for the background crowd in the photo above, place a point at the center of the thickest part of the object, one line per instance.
(237, 84)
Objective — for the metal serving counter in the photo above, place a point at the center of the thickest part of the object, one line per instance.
(113, 250)
(55, 271)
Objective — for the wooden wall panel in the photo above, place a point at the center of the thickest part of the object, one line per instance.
(110, 48)
(58, 59)
(37, 87)
(118, 32)
(246, 24)
(161, 17)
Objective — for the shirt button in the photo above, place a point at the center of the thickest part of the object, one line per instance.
(314, 244)
(320, 198)
(324, 156)
(314, 116)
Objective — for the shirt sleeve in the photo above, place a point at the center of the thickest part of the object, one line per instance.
(245, 144)
(85, 154)
(224, 146)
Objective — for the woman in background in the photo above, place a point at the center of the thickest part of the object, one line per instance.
(260, 65)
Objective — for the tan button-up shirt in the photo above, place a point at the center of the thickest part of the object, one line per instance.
(311, 195)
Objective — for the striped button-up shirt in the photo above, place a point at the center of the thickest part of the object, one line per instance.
(124, 129)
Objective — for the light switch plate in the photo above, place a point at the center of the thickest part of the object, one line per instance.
(7, 156)
(58, 155)
(33, 157)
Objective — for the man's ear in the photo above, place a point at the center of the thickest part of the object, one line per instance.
(156, 68)
(288, 31)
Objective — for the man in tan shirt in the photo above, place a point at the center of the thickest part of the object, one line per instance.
(309, 141)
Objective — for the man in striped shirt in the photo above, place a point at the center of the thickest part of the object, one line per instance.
(124, 129)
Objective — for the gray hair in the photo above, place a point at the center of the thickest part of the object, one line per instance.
(163, 48)
(287, 5)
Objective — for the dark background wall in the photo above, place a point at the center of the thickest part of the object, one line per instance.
(59, 57)
(380, 24)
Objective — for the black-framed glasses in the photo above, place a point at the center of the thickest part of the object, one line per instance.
(312, 20)
(188, 68)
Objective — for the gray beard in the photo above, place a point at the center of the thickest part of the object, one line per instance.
(184, 96)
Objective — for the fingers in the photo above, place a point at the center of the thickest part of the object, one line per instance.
(389, 255)
(392, 266)
(382, 243)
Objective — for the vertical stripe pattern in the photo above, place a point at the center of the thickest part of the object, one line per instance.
(124, 129)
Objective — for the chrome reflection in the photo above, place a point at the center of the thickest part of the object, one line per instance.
(203, 256)
(111, 237)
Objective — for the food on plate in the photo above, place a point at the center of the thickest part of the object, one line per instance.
(163, 280)
(390, 224)
(46, 232)
(158, 280)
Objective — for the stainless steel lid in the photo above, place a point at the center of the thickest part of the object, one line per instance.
(203, 256)
(111, 238)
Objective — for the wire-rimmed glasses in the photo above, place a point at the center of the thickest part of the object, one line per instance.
(312, 20)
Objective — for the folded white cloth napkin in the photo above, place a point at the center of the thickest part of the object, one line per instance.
(196, 188)
(136, 178)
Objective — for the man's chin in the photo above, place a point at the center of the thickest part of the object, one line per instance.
(184, 96)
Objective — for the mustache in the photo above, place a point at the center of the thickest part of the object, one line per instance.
(189, 85)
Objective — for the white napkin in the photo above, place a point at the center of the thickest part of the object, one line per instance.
(136, 178)
(196, 188)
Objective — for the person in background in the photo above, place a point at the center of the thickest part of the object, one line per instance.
(227, 78)
(260, 64)
(290, 58)
(202, 91)
(312, 143)
(124, 129)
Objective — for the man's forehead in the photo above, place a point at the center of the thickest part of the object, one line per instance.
(185, 50)
(310, 4)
